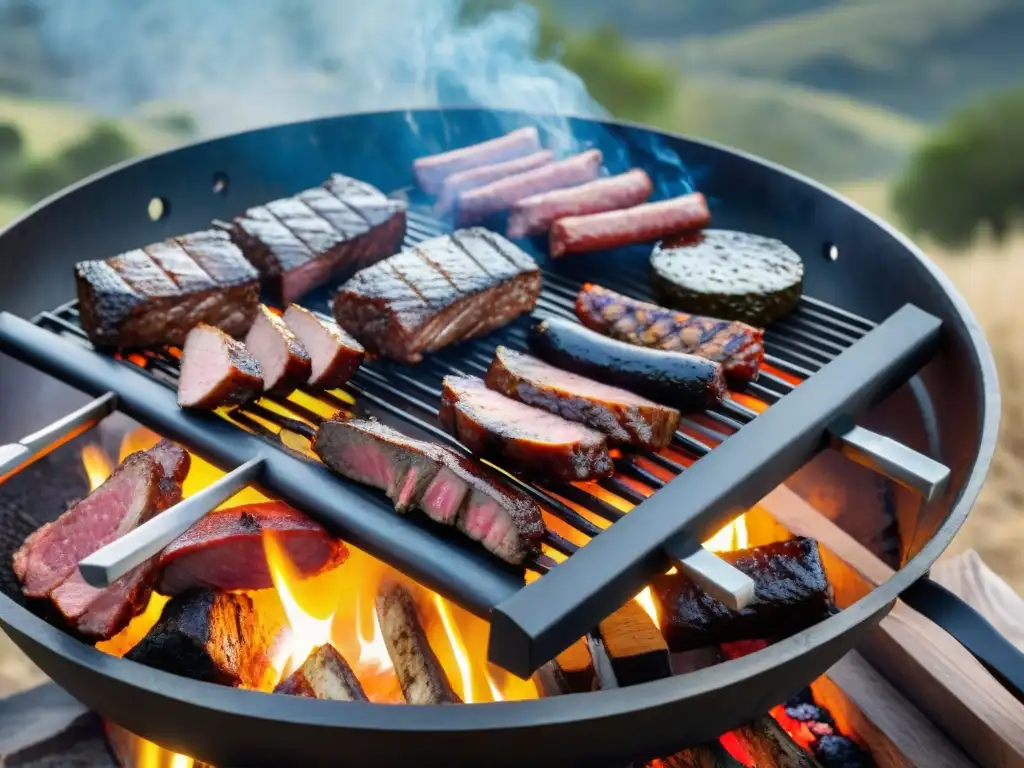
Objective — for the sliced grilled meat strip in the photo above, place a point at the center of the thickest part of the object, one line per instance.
(472, 178)
(321, 234)
(737, 346)
(535, 441)
(334, 355)
(323, 675)
(447, 487)
(224, 550)
(431, 171)
(156, 294)
(284, 362)
(624, 417)
(419, 672)
(216, 370)
(446, 289)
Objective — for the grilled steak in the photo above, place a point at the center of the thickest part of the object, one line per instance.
(446, 289)
(323, 675)
(494, 426)
(321, 234)
(207, 635)
(419, 672)
(623, 416)
(156, 294)
(431, 171)
(283, 360)
(334, 355)
(447, 487)
(216, 370)
(737, 346)
(224, 550)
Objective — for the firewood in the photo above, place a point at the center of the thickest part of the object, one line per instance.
(636, 647)
(576, 668)
(712, 755)
(767, 743)
(323, 675)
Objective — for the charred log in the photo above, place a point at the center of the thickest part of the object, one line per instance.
(768, 744)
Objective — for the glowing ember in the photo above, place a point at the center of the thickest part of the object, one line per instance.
(97, 465)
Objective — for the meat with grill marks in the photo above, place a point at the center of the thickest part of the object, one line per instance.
(449, 488)
(496, 427)
(156, 294)
(322, 234)
(446, 289)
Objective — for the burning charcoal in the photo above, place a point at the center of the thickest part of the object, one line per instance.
(791, 593)
(637, 649)
(835, 751)
(768, 744)
(324, 675)
(208, 635)
(419, 672)
(712, 755)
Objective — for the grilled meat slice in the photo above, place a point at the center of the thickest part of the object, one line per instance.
(216, 370)
(494, 426)
(419, 672)
(335, 356)
(431, 171)
(447, 487)
(472, 178)
(283, 360)
(623, 416)
(737, 346)
(224, 550)
(321, 234)
(208, 635)
(444, 290)
(156, 294)
(324, 675)
(791, 593)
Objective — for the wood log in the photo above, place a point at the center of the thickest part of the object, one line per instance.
(712, 755)
(925, 663)
(636, 648)
(768, 744)
(576, 668)
(323, 675)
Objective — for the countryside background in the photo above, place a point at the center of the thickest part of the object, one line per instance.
(914, 108)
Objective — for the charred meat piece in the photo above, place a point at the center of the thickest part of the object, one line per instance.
(737, 346)
(444, 290)
(419, 672)
(284, 362)
(431, 171)
(791, 593)
(481, 202)
(626, 418)
(494, 426)
(334, 355)
(216, 370)
(319, 235)
(208, 635)
(224, 550)
(534, 215)
(463, 181)
(156, 294)
(324, 675)
(640, 224)
(684, 381)
(447, 487)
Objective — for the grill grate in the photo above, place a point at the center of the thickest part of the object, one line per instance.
(797, 347)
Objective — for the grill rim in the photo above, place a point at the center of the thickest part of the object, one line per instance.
(39, 638)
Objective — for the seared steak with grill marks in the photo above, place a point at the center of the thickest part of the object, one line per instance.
(156, 294)
(224, 550)
(216, 370)
(321, 234)
(335, 356)
(324, 675)
(623, 416)
(447, 487)
(446, 289)
(284, 362)
(494, 426)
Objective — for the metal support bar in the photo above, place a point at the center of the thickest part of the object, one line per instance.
(546, 616)
(16, 456)
(107, 564)
(722, 580)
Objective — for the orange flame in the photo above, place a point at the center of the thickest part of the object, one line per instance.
(97, 465)
(465, 690)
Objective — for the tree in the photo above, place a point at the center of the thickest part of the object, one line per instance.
(969, 174)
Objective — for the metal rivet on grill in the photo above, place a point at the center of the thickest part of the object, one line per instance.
(158, 209)
(832, 251)
(220, 183)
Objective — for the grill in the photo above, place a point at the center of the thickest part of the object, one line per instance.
(851, 343)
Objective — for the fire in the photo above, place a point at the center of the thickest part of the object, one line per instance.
(461, 659)
(97, 465)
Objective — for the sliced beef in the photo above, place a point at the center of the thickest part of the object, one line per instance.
(321, 234)
(156, 294)
(224, 550)
(334, 355)
(216, 370)
(447, 487)
(284, 362)
(472, 178)
(419, 672)
(208, 635)
(534, 441)
(431, 171)
(446, 289)
(324, 675)
(623, 416)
